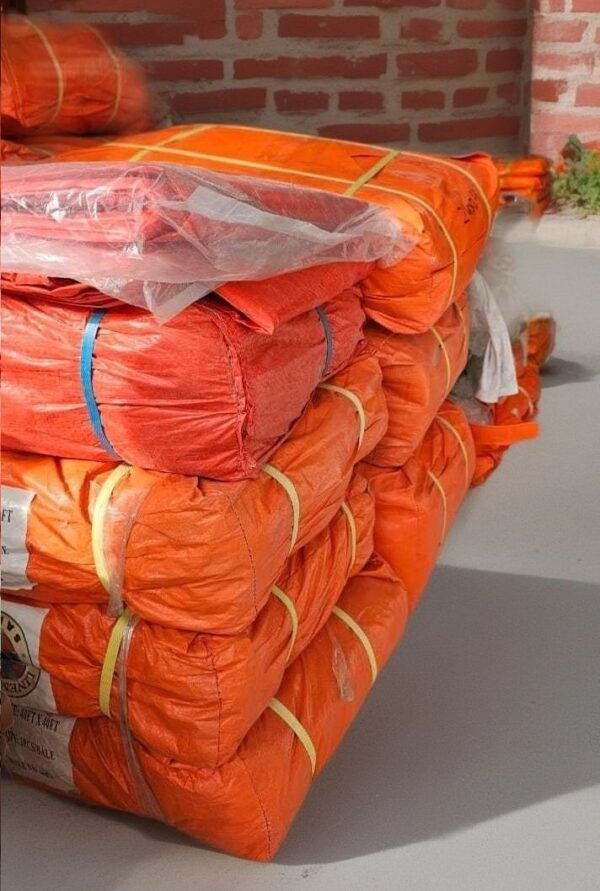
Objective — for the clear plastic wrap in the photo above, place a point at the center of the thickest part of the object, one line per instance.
(161, 236)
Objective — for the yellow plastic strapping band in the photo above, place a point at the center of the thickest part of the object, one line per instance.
(358, 631)
(524, 393)
(369, 174)
(354, 399)
(290, 489)
(291, 608)
(440, 341)
(352, 525)
(60, 79)
(98, 518)
(440, 489)
(296, 727)
(118, 76)
(110, 660)
(461, 444)
(183, 134)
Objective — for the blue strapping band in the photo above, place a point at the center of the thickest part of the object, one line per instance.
(86, 363)
(328, 339)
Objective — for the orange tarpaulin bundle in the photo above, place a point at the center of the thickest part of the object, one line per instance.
(41, 148)
(191, 697)
(526, 178)
(512, 418)
(448, 203)
(419, 370)
(66, 78)
(415, 505)
(246, 806)
(201, 394)
(182, 551)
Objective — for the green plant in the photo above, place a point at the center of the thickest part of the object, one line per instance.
(576, 179)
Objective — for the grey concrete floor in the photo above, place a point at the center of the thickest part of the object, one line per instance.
(475, 764)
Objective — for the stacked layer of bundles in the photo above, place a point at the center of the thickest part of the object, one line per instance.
(526, 182)
(217, 522)
(63, 86)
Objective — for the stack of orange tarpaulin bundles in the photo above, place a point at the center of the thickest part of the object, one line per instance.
(212, 536)
(527, 182)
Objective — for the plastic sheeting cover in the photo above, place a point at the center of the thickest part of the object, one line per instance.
(161, 236)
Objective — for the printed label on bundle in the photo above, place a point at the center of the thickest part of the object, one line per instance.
(37, 747)
(22, 677)
(15, 556)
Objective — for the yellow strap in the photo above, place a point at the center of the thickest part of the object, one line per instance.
(183, 134)
(461, 444)
(355, 627)
(291, 608)
(98, 518)
(352, 524)
(355, 400)
(110, 660)
(369, 174)
(118, 75)
(440, 340)
(448, 163)
(440, 489)
(296, 727)
(524, 393)
(60, 80)
(290, 489)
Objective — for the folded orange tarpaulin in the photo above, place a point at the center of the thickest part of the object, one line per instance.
(66, 78)
(45, 146)
(416, 504)
(526, 184)
(448, 203)
(513, 417)
(529, 165)
(246, 806)
(201, 394)
(419, 370)
(183, 551)
(190, 696)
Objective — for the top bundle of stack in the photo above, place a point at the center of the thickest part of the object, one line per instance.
(526, 181)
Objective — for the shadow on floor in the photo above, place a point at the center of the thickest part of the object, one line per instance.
(489, 706)
(558, 372)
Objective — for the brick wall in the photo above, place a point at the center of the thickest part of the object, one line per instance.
(565, 85)
(432, 73)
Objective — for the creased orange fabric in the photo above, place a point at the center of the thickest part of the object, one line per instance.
(201, 394)
(246, 806)
(448, 203)
(419, 370)
(187, 552)
(193, 697)
(65, 78)
(513, 417)
(415, 505)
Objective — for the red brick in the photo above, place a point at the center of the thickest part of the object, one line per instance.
(125, 34)
(588, 95)
(185, 69)
(481, 28)
(369, 133)
(553, 122)
(549, 5)
(202, 102)
(285, 68)
(466, 4)
(572, 62)
(328, 26)
(249, 25)
(585, 6)
(548, 90)
(286, 100)
(423, 30)
(511, 93)
(559, 30)
(360, 100)
(597, 37)
(394, 4)
(513, 4)
(472, 128)
(418, 99)
(504, 60)
(468, 96)
(280, 4)
(445, 63)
